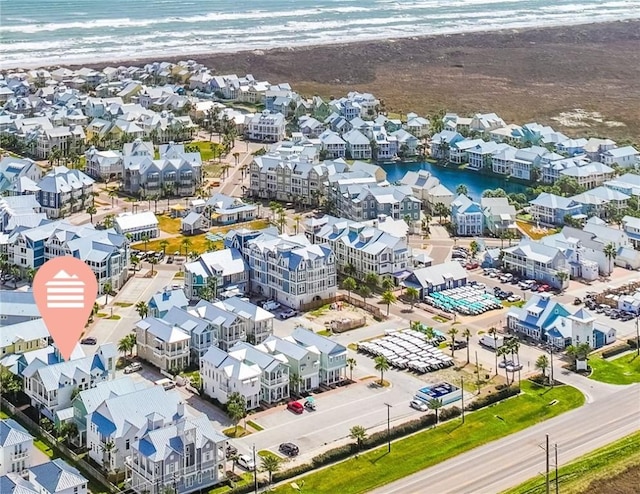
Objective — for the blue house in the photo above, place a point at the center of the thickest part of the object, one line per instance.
(436, 278)
(163, 301)
(550, 209)
(467, 217)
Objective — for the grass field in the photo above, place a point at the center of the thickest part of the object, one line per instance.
(206, 149)
(168, 224)
(612, 469)
(199, 244)
(621, 370)
(409, 455)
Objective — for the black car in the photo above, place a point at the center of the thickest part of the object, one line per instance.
(289, 449)
(231, 451)
(89, 341)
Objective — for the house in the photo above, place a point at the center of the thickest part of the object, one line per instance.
(219, 209)
(57, 477)
(441, 144)
(590, 175)
(219, 270)
(333, 355)
(63, 191)
(629, 184)
(502, 160)
(16, 447)
(304, 362)
(365, 248)
(626, 156)
(333, 145)
(17, 307)
(407, 143)
(137, 226)
(203, 333)
(550, 209)
(187, 454)
(584, 251)
(601, 201)
(163, 344)
(536, 261)
(631, 226)
(358, 146)
(499, 215)
(13, 170)
(368, 201)
(14, 483)
(286, 268)
(225, 327)
(458, 152)
(467, 217)
(123, 419)
(485, 123)
(436, 278)
(223, 374)
(257, 323)
(595, 147)
(266, 127)
(86, 402)
(481, 155)
(163, 301)
(103, 165)
(51, 387)
(310, 127)
(548, 321)
(418, 126)
(22, 337)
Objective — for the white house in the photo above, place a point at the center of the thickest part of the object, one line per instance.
(137, 226)
(58, 477)
(219, 270)
(467, 217)
(304, 362)
(333, 355)
(16, 446)
(163, 344)
(625, 157)
(266, 127)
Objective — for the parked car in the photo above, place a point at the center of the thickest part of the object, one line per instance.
(310, 404)
(480, 286)
(166, 383)
(506, 278)
(134, 367)
(270, 305)
(458, 255)
(419, 405)
(286, 314)
(505, 363)
(534, 287)
(514, 367)
(89, 341)
(246, 462)
(472, 265)
(289, 449)
(514, 298)
(231, 451)
(295, 407)
(544, 288)
(627, 316)
(615, 314)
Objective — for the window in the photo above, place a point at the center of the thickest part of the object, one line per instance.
(127, 444)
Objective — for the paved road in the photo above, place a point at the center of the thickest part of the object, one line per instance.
(515, 458)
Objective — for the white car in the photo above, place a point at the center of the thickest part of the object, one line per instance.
(270, 305)
(419, 405)
(246, 462)
(514, 298)
(134, 367)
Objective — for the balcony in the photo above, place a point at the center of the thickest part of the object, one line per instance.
(20, 455)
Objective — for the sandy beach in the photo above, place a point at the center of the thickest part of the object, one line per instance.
(532, 74)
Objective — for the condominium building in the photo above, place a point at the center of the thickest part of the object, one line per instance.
(266, 127)
(63, 191)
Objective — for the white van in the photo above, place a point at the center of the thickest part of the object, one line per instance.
(166, 383)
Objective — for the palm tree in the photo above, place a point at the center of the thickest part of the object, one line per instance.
(474, 247)
(351, 363)
(186, 243)
(429, 334)
(466, 334)
(610, 252)
(388, 298)
(113, 194)
(382, 365)
(108, 449)
(503, 351)
(127, 344)
(30, 274)
(270, 464)
(412, 294)
(388, 284)
(462, 190)
(107, 222)
(142, 308)
(297, 219)
(91, 210)
(435, 404)
(163, 245)
(295, 381)
(349, 284)
(135, 261)
(372, 279)
(358, 433)
(107, 289)
(365, 292)
(349, 269)
(236, 408)
(494, 333)
(153, 261)
(542, 364)
(453, 332)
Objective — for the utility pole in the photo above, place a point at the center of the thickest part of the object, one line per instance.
(547, 486)
(255, 470)
(462, 397)
(551, 371)
(389, 426)
(556, 465)
(477, 373)
(637, 335)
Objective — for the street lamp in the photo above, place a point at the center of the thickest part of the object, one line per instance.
(389, 426)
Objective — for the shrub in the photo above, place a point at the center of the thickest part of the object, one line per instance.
(334, 454)
(449, 413)
(616, 350)
(493, 398)
(632, 342)
(292, 472)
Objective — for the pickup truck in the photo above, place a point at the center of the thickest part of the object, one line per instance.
(491, 342)
(270, 305)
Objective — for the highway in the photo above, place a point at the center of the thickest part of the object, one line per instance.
(505, 463)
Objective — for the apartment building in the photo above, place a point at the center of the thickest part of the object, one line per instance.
(63, 191)
(368, 201)
(536, 261)
(266, 127)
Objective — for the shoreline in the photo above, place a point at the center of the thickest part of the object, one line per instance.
(209, 55)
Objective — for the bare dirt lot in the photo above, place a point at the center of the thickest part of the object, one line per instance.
(623, 483)
(547, 75)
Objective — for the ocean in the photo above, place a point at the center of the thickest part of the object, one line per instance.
(51, 32)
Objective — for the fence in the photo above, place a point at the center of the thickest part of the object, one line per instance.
(372, 309)
(60, 448)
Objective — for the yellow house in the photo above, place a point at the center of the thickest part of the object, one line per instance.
(23, 337)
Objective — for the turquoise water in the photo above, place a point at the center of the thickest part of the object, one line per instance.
(451, 178)
(46, 32)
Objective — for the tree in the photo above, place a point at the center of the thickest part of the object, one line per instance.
(270, 464)
(365, 292)
(562, 277)
(610, 252)
(474, 247)
(295, 381)
(388, 298)
(236, 408)
(493, 332)
(67, 431)
(442, 210)
(503, 351)
(349, 284)
(351, 363)
(429, 334)
(435, 404)
(382, 365)
(297, 219)
(107, 289)
(142, 308)
(113, 194)
(125, 345)
(359, 434)
(466, 334)
(10, 384)
(186, 243)
(91, 210)
(107, 222)
(462, 189)
(542, 364)
(372, 279)
(153, 261)
(14, 271)
(412, 294)
(135, 261)
(108, 450)
(163, 245)
(453, 332)
(388, 284)
(578, 352)
(31, 274)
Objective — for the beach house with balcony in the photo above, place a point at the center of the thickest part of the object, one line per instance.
(304, 362)
(266, 127)
(257, 322)
(589, 175)
(225, 327)
(63, 191)
(333, 355)
(103, 165)
(499, 215)
(163, 344)
(536, 261)
(467, 217)
(16, 447)
(220, 270)
(626, 156)
(550, 209)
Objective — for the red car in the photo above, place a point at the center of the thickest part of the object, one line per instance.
(544, 288)
(295, 407)
(472, 265)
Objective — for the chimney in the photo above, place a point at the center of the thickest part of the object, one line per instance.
(180, 409)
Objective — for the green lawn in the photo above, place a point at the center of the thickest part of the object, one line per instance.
(575, 477)
(235, 433)
(168, 224)
(42, 446)
(3, 415)
(265, 453)
(199, 244)
(206, 149)
(621, 370)
(376, 467)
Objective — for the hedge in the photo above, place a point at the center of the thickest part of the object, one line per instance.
(292, 472)
(493, 398)
(632, 342)
(616, 350)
